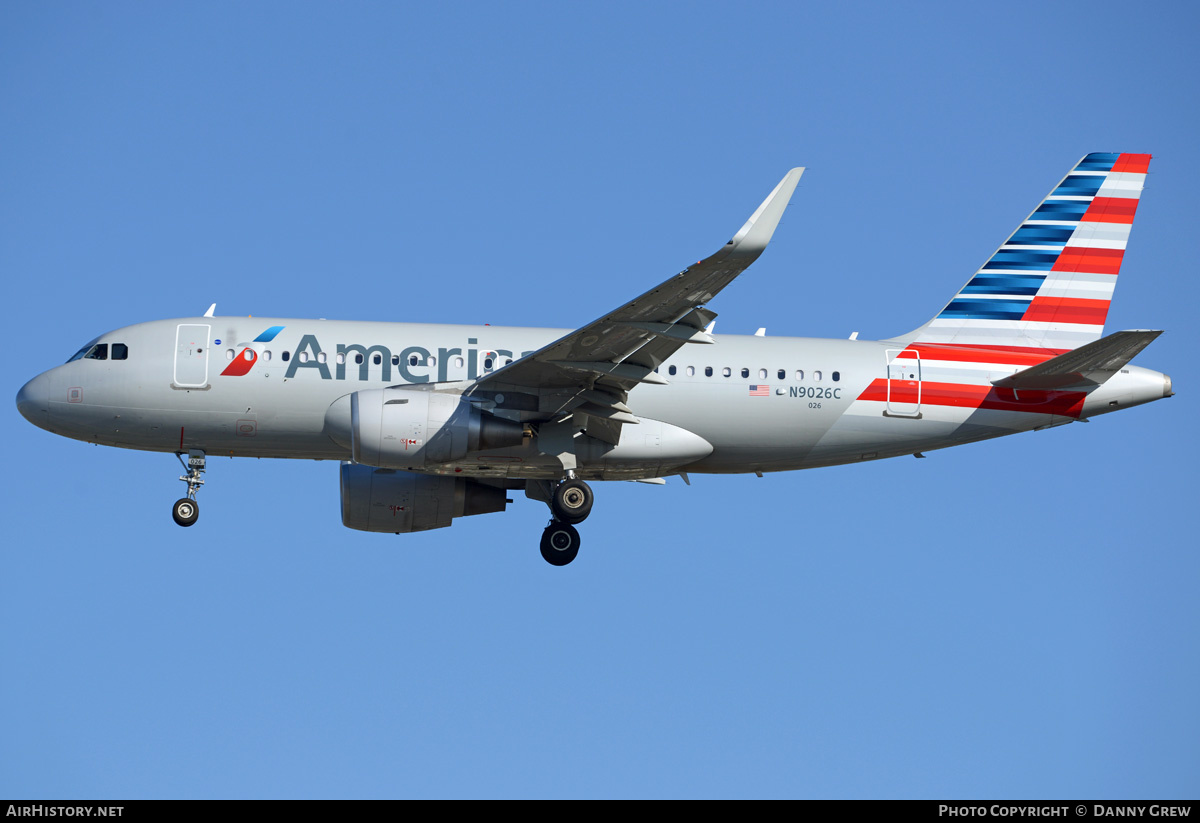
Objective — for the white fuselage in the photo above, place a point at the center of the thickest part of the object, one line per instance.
(763, 403)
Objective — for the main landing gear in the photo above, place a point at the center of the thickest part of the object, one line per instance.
(570, 503)
(186, 510)
(560, 543)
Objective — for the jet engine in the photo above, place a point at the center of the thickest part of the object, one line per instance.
(406, 428)
(386, 500)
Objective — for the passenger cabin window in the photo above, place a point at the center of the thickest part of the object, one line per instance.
(762, 374)
(413, 360)
(799, 374)
(320, 356)
(358, 358)
(267, 355)
(836, 376)
(303, 357)
(745, 372)
(671, 370)
(691, 371)
(816, 375)
(458, 362)
(708, 371)
(726, 372)
(377, 359)
(229, 354)
(286, 356)
(341, 358)
(120, 351)
(395, 360)
(782, 374)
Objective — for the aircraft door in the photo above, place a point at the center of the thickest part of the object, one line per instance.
(191, 356)
(903, 383)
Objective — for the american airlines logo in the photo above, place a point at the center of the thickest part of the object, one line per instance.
(353, 356)
(350, 356)
(247, 357)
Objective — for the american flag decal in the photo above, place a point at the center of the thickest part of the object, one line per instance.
(761, 390)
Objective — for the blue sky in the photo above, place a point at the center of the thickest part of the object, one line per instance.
(1008, 619)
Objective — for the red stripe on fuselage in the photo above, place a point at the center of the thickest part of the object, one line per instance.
(1009, 355)
(961, 395)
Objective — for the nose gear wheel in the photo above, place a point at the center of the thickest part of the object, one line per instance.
(186, 510)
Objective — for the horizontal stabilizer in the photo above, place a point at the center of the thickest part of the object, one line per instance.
(1090, 364)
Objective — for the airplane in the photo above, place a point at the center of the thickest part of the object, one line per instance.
(435, 422)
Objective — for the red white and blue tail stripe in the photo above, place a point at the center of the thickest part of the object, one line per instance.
(1050, 284)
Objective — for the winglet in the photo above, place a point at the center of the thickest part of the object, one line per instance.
(210, 311)
(756, 234)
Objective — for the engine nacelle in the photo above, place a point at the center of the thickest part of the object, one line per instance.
(405, 428)
(386, 500)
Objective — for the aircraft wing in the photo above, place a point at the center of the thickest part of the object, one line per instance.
(590, 370)
(1091, 364)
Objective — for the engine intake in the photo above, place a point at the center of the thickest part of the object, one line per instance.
(386, 500)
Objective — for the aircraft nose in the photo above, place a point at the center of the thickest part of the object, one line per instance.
(33, 400)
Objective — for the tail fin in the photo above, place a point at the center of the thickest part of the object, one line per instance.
(1050, 284)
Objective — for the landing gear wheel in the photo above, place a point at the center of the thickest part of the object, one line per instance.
(572, 501)
(185, 511)
(560, 543)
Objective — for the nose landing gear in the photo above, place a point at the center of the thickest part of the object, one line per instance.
(186, 510)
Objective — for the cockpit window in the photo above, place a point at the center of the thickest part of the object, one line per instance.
(79, 355)
(99, 351)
